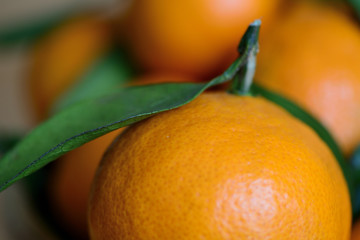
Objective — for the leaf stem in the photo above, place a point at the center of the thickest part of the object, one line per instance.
(244, 76)
(247, 49)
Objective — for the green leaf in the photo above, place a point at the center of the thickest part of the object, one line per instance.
(111, 70)
(356, 6)
(305, 117)
(89, 119)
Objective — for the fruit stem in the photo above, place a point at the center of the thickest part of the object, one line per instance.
(244, 76)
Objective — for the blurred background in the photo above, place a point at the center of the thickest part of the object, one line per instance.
(20, 15)
(17, 217)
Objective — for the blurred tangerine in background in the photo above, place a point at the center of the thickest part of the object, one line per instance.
(59, 58)
(312, 57)
(196, 38)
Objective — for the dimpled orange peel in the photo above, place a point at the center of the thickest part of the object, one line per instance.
(221, 167)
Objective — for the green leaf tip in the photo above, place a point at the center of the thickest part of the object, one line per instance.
(251, 35)
(257, 22)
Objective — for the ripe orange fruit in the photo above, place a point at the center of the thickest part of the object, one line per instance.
(312, 57)
(220, 167)
(60, 57)
(73, 174)
(190, 37)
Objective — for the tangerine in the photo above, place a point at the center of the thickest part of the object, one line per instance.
(220, 167)
(60, 57)
(312, 58)
(190, 37)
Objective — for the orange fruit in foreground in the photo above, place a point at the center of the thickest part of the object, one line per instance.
(220, 167)
(312, 57)
(62, 56)
(74, 172)
(190, 37)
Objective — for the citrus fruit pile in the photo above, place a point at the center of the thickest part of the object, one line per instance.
(180, 120)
